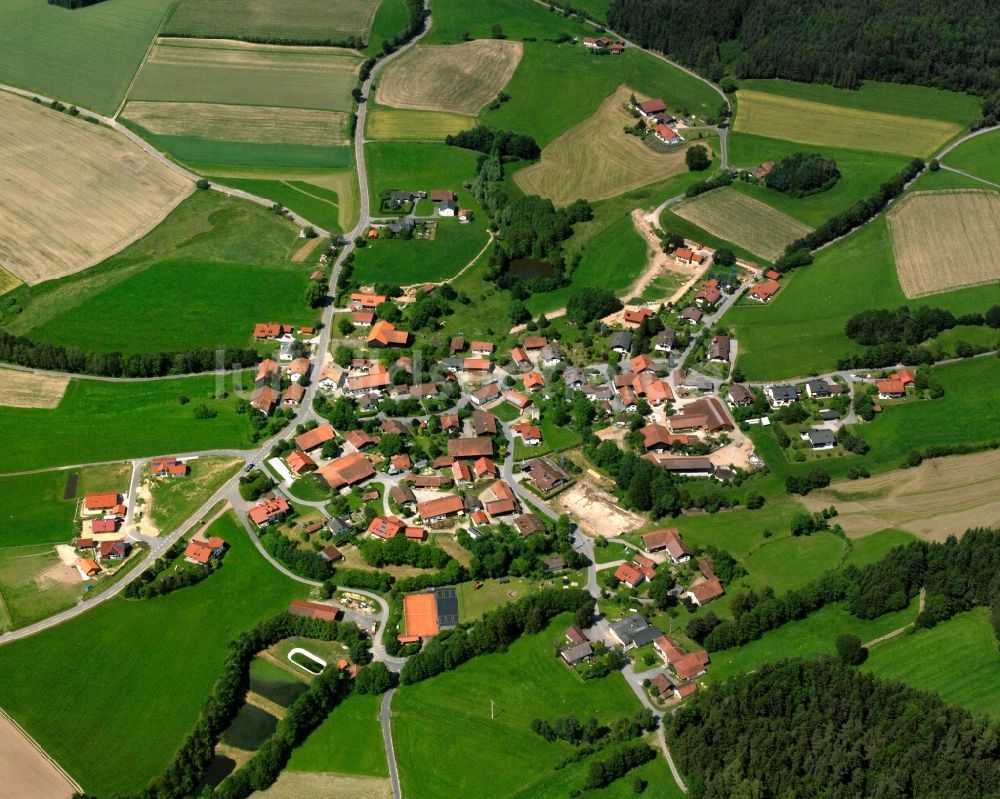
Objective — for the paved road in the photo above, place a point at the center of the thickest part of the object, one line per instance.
(385, 719)
(948, 148)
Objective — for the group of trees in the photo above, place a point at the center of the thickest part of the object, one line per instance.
(54, 357)
(185, 772)
(506, 552)
(957, 575)
(799, 252)
(497, 630)
(506, 143)
(759, 735)
(619, 762)
(588, 303)
(400, 551)
(817, 42)
(643, 485)
(801, 175)
(718, 181)
(153, 582)
(803, 484)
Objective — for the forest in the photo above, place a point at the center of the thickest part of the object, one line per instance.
(823, 730)
(948, 46)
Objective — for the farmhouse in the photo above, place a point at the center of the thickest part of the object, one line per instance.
(201, 550)
(167, 467)
(484, 423)
(299, 462)
(399, 463)
(114, 550)
(740, 395)
(665, 340)
(621, 342)
(667, 540)
(316, 437)
(657, 437)
(819, 438)
(386, 527)
(705, 591)
(530, 434)
(632, 316)
(520, 358)
(504, 501)
(100, 526)
(267, 370)
(762, 171)
(359, 440)
(402, 496)
(347, 470)
(331, 376)
(684, 466)
(262, 331)
(269, 511)
(384, 334)
(628, 574)
(368, 302)
(299, 369)
(650, 108)
(293, 395)
(484, 467)
(686, 665)
(551, 355)
(313, 610)
(535, 342)
(895, 385)
(374, 383)
(517, 399)
(763, 292)
(437, 510)
(442, 195)
(265, 399)
(576, 653)
(707, 414)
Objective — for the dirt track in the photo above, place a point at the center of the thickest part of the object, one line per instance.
(941, 497)
(28, 772)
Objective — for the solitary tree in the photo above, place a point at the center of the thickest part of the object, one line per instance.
(697, 159)
(850, 650)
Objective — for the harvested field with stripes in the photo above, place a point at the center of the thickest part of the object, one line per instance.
(28, 390)
(944, 240)
(461, 78)
(742, 220)
(74, 193)
(391, 123)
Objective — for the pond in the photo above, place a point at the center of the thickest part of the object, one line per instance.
(530, 268)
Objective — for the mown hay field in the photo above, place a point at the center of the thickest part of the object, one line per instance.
(292, 20)
(744, 221)
(391, 123)
(27, 390)
(87, 56)
(227, 72)
(946, 240)
(808, 122)
(461, 78)
(7, 281)
(74, 193)
(241, 123)
(597, 159)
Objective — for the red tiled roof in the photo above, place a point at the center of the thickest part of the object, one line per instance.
(533, 380)
(100, 501)
(368, 300)
(535, 342)
(443, 506)
(470, 447)
(347, 470)
(299, 462)
(385, 334)
(386, 526)
(314, 438)
(628, 574)
(264, 511)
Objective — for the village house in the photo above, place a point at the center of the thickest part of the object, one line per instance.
(633, 631)
(265, 399)
(708, 589)
(375, 382)
(621, 342)
(299, 369)
(707, 414)
(451, 423)
(504, 501)
(461, 472)
(635, 317)
(293, 395)
(399, 463)
(530, 434)
(629, 575)
(546, 476)
(113, 550)
(692, 315)
(483, 468)
(517, 399)
(762, 171)
(437, 510)
(818, 388)
(819, 438)
(684, 466)
(688, 256)
(487, 394)
(263, 331)
(167, 467)
(535, 342)
(719, 349)
(551, 355)
(267, 371)
(686, 665)
(363, 318)
(314, 610)
(533, 381)
(650, 108)
(763, 292)
(665, 340)
(201, 550)
(527, 524)
(520, 358)
(484, 423)
(894, 386)
(739, 395)
(656, 437)
(347, 470)
(331, 377)
(475, 448)
(781, 394)
(300, 463)
(361, 301)
(708, 294)
(477, 365)
(269, 511)
(384, 334)
(484, 348)
(667, 135)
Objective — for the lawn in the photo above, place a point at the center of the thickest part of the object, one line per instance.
(861, 173)
(876, 546)
(182, 318)
(453, 18)
(978, 156)
(966, 677)
(99, 48)
(420, 166)
(407, 261)
(174, 499)
(789, 115)
(447, 719)
(288, 20)
(800, 331)
(213, 246)
(554, 439)
(106, 421)
(27, 594)
(145, 640)
(349, 741)
(611, 552)
(816, 634)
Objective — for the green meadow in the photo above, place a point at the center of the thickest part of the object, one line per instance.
(175, 638)
(176, 498)
(978, 156)
(861, 173)
(99, 420)
(86, 56)
(391, 18)
(404, 262)
(420, 166)
(447, 720)
(319, 205)
(801, 331)
(211, 247)
(957, 659)
(349, 741)
(288, 20)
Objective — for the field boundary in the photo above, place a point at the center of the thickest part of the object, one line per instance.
(35, 745)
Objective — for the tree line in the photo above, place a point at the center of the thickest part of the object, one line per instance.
(957, 575)
(57, 358)
(813, 41)
(507, 143)
(801, 175)
(821, 729)
(496, 631)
